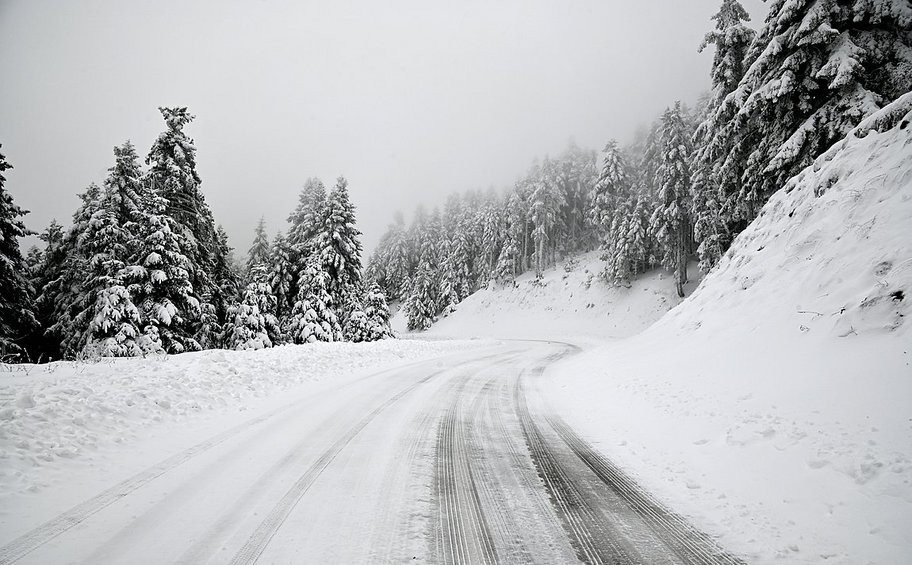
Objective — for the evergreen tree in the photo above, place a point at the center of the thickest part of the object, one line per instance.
(389, 263)
(814, 72)
(105, 246)
(339, 249)
(619, 262)
(507, 263)
(544, 212)
(125, 189)
(670, 222)
(173, 176)
(732, 40)
(491, 240)
(17, 317)
(45, 275)
(356, 327)
(639, 250)
(69, 294)
(259, 252)
(612, 189)
(377, 313)
(313, 317)
(216, 315)
(425, 302)
(421, 304)
(254, 325)
(113, 331)
(281, 275)
(159, 280)
(307, 219)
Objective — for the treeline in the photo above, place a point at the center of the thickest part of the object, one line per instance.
(689, 183)
(145, 269)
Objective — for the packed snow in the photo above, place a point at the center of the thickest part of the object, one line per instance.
(63, 415)
(771, 407)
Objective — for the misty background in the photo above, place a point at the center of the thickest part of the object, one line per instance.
(409, 100)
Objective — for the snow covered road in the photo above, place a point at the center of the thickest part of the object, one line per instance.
(451, 460)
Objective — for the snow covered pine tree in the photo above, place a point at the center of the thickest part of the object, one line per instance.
(17, 317)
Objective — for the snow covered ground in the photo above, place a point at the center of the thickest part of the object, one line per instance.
(773, 407)
(64, 417)
(569, 302)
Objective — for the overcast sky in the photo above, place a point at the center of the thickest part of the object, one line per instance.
(409, 100)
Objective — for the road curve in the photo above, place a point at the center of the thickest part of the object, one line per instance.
(456, 460)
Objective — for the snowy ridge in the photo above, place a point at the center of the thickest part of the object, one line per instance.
(772, 405)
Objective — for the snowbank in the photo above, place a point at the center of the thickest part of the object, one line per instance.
(774, 405)
(570, 301)
(53, 415)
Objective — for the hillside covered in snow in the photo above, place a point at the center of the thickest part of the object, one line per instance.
(771, 405)
(569, 300)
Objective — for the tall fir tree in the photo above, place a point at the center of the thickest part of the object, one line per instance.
(389, 263)
(68, 293)
(338, 247)
(424, 301)
(307, 218)
(546, 202)
(226, 290)
(160, 280)
(377, 312)
(173, 176)
(281, 275)
(17, 317)
(51, 262)
(106, 246)
(670, 222)
(612, 188)
(732, 40)
(313, 317)
(259, 252)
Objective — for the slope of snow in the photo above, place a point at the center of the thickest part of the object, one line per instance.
(774, 405)
(571, 301)
(63, 415)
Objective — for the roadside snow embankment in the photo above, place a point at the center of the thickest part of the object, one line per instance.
(774, 405)
(53, 415)
(570, 301)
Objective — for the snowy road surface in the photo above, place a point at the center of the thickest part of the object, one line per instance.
(453, 460)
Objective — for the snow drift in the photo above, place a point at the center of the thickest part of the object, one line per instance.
(773, 405)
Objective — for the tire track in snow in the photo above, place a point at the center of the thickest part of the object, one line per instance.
(35, 538)
(690, 544)
(263, 534)
(581, 523)
(532, 532)
(464, 536)
(28, 542)
(619, 494)
(424, 441)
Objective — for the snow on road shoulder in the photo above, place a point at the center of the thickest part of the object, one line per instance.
(773, 405)
(52, 416)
